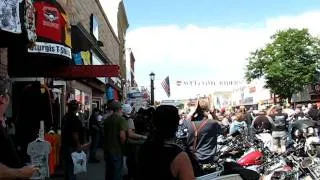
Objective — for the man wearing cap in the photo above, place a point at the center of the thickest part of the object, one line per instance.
(10, 165)
(133, 142)
(279, 130)
(115, 127)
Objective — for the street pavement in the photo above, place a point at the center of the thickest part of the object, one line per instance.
(95, 171)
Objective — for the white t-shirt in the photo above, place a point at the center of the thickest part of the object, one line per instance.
(39, 154)
(10, 16)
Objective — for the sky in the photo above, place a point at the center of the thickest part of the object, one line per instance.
(206, 39)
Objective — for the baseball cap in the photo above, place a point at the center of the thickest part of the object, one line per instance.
(126, 108)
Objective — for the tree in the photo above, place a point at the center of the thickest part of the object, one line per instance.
(287, 64)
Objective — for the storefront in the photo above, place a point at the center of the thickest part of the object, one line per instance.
(43, 70)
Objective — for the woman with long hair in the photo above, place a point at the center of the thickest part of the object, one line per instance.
(161, 158)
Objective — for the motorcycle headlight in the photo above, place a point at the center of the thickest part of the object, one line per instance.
(297, 133)
(310, 130)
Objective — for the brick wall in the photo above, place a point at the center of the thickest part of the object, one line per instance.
(81, 11)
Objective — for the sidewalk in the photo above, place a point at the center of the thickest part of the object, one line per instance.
(95, 171)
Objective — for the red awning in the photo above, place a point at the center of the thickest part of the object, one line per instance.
(76, 71)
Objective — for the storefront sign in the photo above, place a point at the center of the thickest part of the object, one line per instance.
(50, 48)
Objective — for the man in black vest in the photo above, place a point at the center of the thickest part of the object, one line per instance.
(10, 166)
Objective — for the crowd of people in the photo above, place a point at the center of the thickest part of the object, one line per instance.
(147, 144)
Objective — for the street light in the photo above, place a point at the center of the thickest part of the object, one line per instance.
(152, 87)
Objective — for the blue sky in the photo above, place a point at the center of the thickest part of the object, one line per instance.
(207, 39)
(211, 12)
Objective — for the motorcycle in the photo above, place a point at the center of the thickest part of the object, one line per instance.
(256, 156)
(279, 168)
(305, 137)
(232, 147)
(306, 167)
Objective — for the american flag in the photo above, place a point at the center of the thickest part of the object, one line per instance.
(166, 85)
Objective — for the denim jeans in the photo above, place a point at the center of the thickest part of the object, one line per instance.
(114, 165)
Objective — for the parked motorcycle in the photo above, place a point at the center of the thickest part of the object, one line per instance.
(305, 137)
(306, 167)
(256, 156)
(232, 147)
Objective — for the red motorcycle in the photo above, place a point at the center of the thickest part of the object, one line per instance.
(255, 157)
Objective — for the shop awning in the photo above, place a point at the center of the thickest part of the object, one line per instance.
(74, 72)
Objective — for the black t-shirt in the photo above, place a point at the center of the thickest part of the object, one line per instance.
(280, 121)
(71, 124)
(8, 154)
(157, 164)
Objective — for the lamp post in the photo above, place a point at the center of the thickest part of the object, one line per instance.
(152, 87)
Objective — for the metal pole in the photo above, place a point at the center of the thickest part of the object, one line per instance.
(152, 92)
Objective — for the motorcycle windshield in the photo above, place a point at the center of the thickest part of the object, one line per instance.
(303, 124)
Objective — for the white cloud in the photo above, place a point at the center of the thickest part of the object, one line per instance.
(204, 53)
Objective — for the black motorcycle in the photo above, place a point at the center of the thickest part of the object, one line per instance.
(305, 137)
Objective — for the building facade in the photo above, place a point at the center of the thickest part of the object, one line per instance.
(73, 54)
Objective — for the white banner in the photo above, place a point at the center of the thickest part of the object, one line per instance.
(210, 83)
(51, 48)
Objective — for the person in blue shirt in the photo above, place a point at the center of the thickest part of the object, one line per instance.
(238, 124)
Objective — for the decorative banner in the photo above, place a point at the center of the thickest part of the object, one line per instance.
(209, 83)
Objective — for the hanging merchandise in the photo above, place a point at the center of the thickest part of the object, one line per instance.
(67, 29)
(29, 21)
(39, 150)
(49, 21)
(17, 23)
(86, 57)
(52, 138)
(10, 16)
(77, 58)
(53, 30)
(110, 93)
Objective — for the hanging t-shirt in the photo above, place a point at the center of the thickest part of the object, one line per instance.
(77, 58)
(86, 57)
(49, 21)
(67, 29)
(29, 21)
(39, 155)
(52, 138)
(10, 17)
